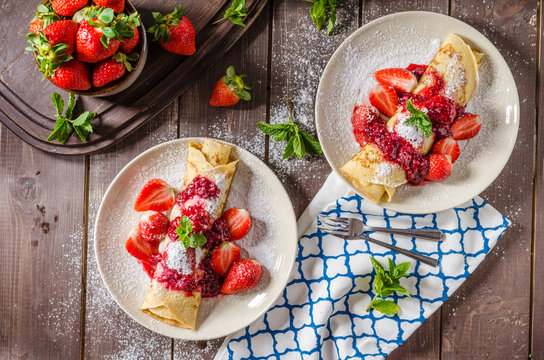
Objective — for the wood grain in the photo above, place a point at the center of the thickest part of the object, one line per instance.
(41, 217)
(489, 314)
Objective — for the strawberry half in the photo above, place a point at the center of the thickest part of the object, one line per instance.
(156, 195)
(153, 227)
(466, 127)
(447, 146)
(174, 32)
(385, 99)
(439, 167)
(138, 247)
(223, 256)
(238, 222)
(243, 275)
(361, 116)
(399, 79)
(230, 89)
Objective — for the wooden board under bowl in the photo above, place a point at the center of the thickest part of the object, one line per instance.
(25, 100)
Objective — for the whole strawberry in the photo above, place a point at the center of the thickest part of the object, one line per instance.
(130, 34)
(174, 32)
(68, 7)
(62, 32)
(243, 275)
(73, 75)
(98, 38)
(129, 45)
(44, 17)
(230, 89)
(88, 12)
(113, 68)
(49, 57)
(117, 5)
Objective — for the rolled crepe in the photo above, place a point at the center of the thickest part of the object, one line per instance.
(178, 308)
(457, 64)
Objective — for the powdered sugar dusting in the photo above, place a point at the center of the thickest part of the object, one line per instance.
(410, 133)
(176, 258)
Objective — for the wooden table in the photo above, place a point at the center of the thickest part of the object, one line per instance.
(54, 304)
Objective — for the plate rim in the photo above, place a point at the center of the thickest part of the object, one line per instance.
(391, 206)
(175, 333)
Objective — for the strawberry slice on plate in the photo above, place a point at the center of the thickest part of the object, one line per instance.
(243, 275)
(417, 69)
(400, 79)
(466, 127)
(385, 99)
(223, 256)
(439, 167)
(238, 222)
(447, 146)
(138, 247)
(156, 195)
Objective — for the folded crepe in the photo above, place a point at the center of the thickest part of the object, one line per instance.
(179, 308)
(457, 64)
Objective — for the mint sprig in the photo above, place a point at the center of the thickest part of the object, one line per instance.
(318, 12)
(299, 142)
(82, 124)
(385, 284)
(418, 119)
(186, 235)
(236, 13)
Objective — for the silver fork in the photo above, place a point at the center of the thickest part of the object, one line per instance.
(357, 227)
(348, 235)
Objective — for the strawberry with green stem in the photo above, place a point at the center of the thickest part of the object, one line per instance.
(68, 7)
(230, 89)
(129, 43)
(49, 57)
(174, 32)
(113, 68)
(82, 124)
(44, 16)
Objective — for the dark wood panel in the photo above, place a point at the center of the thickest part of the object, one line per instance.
(109, 332)
(41, 217)
(489, 314)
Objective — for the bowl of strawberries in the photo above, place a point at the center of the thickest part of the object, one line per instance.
(96, 48)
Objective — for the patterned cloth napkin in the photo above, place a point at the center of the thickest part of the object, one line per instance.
(321, 314)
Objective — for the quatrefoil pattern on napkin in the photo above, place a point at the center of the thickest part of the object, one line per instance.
(321, 313)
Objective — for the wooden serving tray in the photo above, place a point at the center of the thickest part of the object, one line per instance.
(25, 100)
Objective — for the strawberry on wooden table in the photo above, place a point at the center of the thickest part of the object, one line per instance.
(44, 17)
(230, 89)
(385, 99)
(243, 275)
(466, 127)
(153, 227)
(117, 5)
(447, 146)
(223, 256)
(398, 78)
(68, 7)
(174, 32)
(156, 195)
(138, 247)
(439, 167)
(98, 38)
(238, 222)
(112, 68)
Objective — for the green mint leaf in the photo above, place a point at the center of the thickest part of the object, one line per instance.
(399, 288)
(401, 269)
(313, 147)
(58, 102)
(82, 125)
(289, 149)
(298, 145)
(380, 271)
(236, 12)
(386, 307)
(71, 104)
(272, 129)
(61, 132)
(282, 135)
(332, 17)
(197, 240)
(418, 119)
(317, 12)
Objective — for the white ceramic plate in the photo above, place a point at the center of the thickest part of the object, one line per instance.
(272, 239)
(396, 41)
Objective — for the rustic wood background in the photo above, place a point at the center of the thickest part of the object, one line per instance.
(54, 305)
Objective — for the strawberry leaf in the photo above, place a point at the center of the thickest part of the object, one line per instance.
(106, 16)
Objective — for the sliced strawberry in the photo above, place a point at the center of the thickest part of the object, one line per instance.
(385, 99)
(400, 79)
(153, 227)
(138, 247)
(243, 275)
(417, 69)
(156, 195)
(466, 127)
(447, 146)
(238, 221)
(361, 116)
(439, 167)
(223, 256)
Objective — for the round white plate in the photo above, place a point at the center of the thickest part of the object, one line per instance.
(396, 41)
(271, 240)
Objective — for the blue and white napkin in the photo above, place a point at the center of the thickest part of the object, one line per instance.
(321, 314)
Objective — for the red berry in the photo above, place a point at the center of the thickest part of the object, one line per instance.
(138, 247)
(439, 167)
(153, 227)
(417, 69)
(223, 256)
(399, 79)
(222, 95)
(447, 146)
(117, 5)
(243, 275)
(238, 221)
(62, 32)
(128, 45)
(156, 195)
(89, 47)
(385, 99)
(68, 7)
(466, 127)
(73, 75)
(361, 116)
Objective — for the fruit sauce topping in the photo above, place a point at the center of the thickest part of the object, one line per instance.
(192, 202)
(208, 281)
(173, 279)
(217, 233)
(202, 187)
